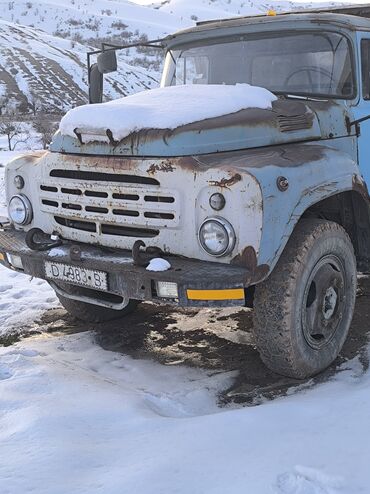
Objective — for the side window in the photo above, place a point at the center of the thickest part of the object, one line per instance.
(365, 68)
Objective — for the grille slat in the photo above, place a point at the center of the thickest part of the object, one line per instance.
(136, 207)
(103, 177)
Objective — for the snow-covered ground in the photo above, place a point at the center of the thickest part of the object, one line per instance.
(79, 419)
(22, 299)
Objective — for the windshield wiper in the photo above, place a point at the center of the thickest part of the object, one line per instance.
(299, 96)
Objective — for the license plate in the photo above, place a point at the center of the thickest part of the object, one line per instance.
(77, 275)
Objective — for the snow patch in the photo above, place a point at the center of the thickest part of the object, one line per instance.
(158, 264)
(56, 252)
(305, 480)
(154, 109)
(109, 423)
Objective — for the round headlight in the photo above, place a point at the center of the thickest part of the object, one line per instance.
(217, 201)
(217, 237)
(20, 210)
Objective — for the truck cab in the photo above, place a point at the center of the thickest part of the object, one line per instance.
(261, 207)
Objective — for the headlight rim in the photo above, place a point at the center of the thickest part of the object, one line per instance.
(229, 231)
(27, 206)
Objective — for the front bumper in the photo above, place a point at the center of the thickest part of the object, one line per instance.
(200, 283)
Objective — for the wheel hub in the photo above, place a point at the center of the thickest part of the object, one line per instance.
(323, 301)
(330, 302)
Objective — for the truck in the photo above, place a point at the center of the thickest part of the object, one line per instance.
(264, 208)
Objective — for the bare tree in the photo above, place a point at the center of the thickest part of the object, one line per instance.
(34, 102)
(14, 133)
(46, 128)
(3, 104)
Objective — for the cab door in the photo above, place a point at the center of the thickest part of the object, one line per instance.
(362, 110)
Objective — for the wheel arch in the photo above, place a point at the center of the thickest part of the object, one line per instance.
(346, 203)
(351, 210)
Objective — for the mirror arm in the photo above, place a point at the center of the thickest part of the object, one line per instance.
(356, 124)
(111, 47)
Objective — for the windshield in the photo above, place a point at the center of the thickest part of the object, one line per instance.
(307, 64)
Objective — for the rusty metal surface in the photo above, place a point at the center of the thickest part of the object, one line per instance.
(226, 182)
(285, 155)
(280, 156)
(248, 259)
(113, 201)
(127, 278)
(359, 185)
(287, 121)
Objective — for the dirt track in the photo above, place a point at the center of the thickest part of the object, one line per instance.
(216, 340)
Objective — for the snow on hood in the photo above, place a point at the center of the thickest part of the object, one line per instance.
(163, 108)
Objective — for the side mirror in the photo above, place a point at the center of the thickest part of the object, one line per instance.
(95, 84)
(107, 61)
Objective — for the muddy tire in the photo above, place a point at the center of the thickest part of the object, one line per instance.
(93, 313)
(303, 311)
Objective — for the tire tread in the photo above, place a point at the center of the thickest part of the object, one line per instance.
(272, 303)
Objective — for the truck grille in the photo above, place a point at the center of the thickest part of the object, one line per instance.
(109, 204)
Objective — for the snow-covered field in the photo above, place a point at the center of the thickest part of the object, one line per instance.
(79, 419)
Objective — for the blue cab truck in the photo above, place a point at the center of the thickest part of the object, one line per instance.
(266, 208)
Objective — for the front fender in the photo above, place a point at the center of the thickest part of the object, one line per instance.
(323, 173)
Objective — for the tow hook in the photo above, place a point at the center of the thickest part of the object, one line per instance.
(142, 258)
(36, 239)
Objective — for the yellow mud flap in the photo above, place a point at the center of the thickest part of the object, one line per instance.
(226, 294)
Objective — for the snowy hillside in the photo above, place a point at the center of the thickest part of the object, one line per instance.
(34, 63)
(217, 9)
(44, 42)
(88, 20)
(52, 67)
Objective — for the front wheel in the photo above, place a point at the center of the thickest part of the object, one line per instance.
(303, 311)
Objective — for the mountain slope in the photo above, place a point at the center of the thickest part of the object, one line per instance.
(32, 62)
(218, 9)
(86, 20)
(54, 67)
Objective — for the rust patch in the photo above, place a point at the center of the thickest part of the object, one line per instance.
(248, 259)
(111, 163)
(164, 166)
(121, 163)
(226, 182)
(360, 186)
(260, 273)
(32, 157)
(282, 156)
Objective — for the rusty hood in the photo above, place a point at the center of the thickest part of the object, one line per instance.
(289, 120)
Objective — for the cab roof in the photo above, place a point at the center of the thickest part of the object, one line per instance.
(340, 17)
(360, 10)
